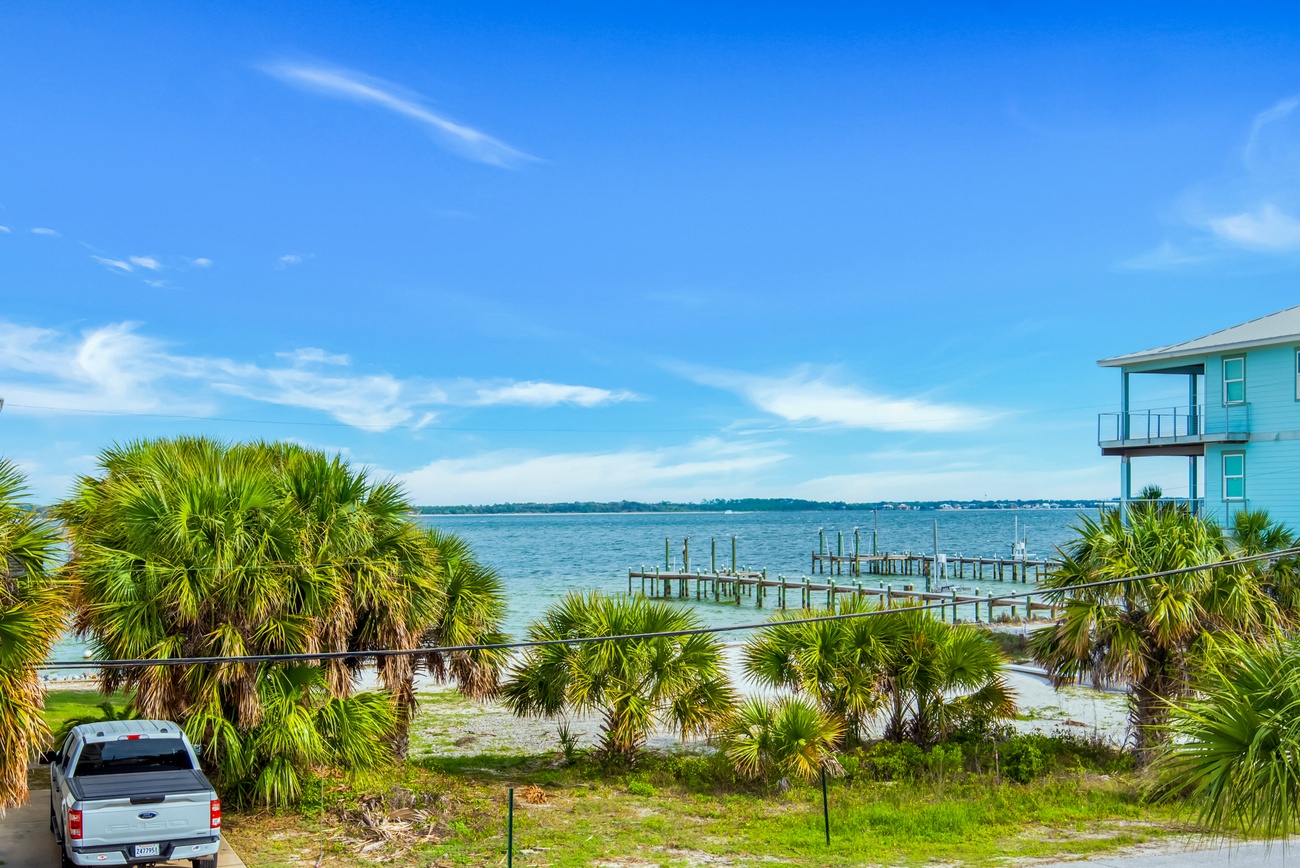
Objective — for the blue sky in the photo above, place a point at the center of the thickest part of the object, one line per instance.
(588, 252)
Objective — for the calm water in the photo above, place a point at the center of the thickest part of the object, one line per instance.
(542, 557)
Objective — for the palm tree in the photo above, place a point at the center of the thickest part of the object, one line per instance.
(33, 613)
(676, 681)
(191, 547)
(1236, 741)
(1146, 635)
(923, 676)
(790, 736)
(1253, 532)
(942, 677)
(840, 663)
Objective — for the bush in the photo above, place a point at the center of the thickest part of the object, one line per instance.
(640, 788)
(891, 761)
(1022, 761)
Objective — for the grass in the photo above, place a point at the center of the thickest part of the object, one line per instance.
(64, 705)
(680, 810)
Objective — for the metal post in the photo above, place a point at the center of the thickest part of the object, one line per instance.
(936, 556)
(1125, 484)
(826, 810)
(510, 829)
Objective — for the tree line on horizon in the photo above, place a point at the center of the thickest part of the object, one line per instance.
(742, 504)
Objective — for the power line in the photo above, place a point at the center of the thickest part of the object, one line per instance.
(665, 634)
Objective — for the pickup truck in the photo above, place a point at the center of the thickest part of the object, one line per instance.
(131, 792)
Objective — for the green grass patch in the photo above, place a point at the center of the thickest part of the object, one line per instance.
(688, 809)
(64, 705)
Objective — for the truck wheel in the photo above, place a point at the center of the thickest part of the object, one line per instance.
(64, 861)
(210, 862)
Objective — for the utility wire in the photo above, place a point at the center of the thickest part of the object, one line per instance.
(665, 634)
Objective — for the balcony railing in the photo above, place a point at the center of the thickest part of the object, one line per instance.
(1174, 425)
(1194, 505)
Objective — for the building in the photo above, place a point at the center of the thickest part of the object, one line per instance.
(1240, 427)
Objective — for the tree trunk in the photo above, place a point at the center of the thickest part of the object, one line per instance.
(1150, 710)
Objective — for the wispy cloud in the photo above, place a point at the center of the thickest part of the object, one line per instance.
(115, 368)
(288, 260)
(805, 396)
(148, 262)
(461, 140)
(695, 470)
(1251, 209)
(43, 230)
(201, 262)
(112, 264)
(5, 229)
(535, 394)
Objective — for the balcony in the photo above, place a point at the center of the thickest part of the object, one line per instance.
(1172, 431)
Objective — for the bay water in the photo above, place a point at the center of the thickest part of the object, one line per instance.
(540, 558)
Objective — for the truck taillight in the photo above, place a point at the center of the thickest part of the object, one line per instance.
(215, 813)
(74, 825)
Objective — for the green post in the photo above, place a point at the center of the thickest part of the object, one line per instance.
(686, 555)
(510, 829)
(713, 555)
(629, 581)
(668, 555)
(826, 809)
(733, 552)
(990, 607)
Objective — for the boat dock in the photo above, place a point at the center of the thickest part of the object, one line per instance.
(805, 593)
(734, 583)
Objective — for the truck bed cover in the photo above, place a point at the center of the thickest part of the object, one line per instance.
(138, 785)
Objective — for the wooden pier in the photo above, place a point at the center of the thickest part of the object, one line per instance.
(735, 583)
(734, 587)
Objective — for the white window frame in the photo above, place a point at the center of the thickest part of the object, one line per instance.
(1241, 476)
(1241, 379)
(1297, 374)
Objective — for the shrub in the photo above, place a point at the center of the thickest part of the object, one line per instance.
(640, 788)
(1022, 761)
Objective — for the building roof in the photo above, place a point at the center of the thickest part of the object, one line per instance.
(1282, 327)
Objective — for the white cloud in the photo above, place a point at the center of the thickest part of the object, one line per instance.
(42, 230)
(315, 356)
(114, 368)
(1266, 228)
(805, 397)
(534, 394)
(344, 84)
(699, 469)
(201, 262)
(1250, 209)
(148, 262)
(5, 229)
(288, 259)
(115, 264)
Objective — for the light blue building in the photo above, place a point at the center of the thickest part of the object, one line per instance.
(1240, 427)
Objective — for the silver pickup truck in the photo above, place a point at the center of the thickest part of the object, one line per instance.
(131, 792)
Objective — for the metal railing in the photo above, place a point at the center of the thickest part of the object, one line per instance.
(1173, 424)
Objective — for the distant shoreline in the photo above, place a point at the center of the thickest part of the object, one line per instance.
(748, 506)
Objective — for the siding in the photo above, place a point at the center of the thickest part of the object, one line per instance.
(1273, 453)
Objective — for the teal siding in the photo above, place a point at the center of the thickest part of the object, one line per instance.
(1273, 453)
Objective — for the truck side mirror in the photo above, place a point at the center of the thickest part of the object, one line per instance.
(49, 756)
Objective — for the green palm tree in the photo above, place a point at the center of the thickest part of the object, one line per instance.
(677, 681)
(1253, 532)
(840, 663)
(924, 677)
(33, 612)
(788, 737)
(942, 677)
(1235, 746)
(1147, 635)
(191, 547)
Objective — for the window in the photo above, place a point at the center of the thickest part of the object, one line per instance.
(1234, 476)
(144, 755)
(1234, 380)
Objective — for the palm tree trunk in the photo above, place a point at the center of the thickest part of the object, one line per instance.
(1149, 711)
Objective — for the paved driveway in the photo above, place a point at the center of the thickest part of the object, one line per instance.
(26, 842)
(1262, 855)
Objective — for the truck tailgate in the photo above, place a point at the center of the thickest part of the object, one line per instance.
(142, 807)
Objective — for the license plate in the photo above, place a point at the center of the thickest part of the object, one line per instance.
(146, 850)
